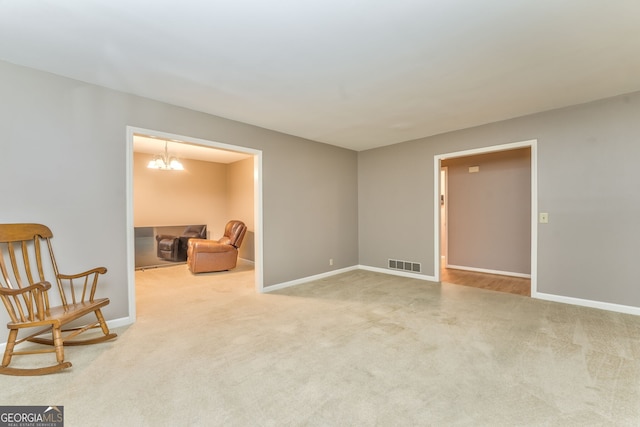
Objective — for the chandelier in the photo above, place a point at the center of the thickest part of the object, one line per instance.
(164, 162)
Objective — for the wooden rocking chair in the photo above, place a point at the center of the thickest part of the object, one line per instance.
(25, 294)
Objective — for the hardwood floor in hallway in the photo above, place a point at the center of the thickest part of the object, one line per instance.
(494, 282)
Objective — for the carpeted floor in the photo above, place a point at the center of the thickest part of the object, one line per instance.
(358, 349)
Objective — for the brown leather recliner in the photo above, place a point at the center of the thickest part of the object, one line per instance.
(205, 256)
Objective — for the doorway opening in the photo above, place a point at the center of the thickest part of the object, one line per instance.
(197, 144)
(463, 266)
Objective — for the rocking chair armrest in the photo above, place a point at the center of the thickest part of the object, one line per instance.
(85, 288)
(98, 270)
(40, 286)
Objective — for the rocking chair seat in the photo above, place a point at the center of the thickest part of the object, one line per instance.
(61, 315)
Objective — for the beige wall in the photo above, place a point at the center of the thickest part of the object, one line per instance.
(196, 195)
(240, 198)
(204, 193)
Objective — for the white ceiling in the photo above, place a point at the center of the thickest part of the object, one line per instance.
(353, 73)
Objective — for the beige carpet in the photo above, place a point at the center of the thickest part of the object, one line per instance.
(358, 349)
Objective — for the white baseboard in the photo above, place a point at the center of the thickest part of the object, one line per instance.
(344, 270)
(627, 309)
(550, 297)
(485, 270)
(123, 321)
(283, 285)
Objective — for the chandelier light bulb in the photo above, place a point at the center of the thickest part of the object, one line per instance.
(164, 162)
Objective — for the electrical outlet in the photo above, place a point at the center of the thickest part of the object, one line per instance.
(543, 217)
(330, 261)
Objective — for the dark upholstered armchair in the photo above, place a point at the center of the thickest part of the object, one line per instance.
(216, 255)
(174, 248)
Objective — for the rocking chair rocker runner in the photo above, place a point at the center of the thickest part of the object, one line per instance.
(25, 294)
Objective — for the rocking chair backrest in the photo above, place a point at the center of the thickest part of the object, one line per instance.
(22, 264)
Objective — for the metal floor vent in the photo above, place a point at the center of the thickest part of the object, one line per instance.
(404, 265)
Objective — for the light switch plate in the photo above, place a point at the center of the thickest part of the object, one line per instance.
(543, 217)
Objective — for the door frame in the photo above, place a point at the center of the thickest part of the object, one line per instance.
(257, 204)
(437, 160)
(443, 200)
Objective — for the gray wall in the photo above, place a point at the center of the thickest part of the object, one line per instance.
(587, 181)
(489, 211)
(63, 145)
(63, 153)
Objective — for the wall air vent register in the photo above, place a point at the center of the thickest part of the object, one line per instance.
(413, 267)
